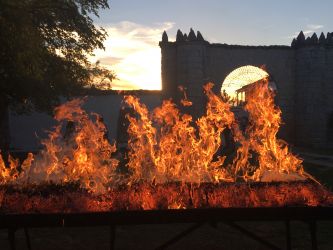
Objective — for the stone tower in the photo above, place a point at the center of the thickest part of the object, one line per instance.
(314, 90)
(183, 64)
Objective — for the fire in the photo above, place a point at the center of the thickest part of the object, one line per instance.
(168, 146)
(260, 143)
(165, 146)
(76, 150)
(7, 173)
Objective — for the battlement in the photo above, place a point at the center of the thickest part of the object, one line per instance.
(301, 41)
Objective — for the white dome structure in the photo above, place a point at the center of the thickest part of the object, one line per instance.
(241, 77)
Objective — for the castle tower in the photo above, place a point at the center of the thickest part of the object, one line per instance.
(314, 90)
(183, 64)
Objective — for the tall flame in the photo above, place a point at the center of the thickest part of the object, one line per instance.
(76, 150)
(165, 146)
(274, 160)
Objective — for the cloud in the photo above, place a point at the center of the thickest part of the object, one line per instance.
(132, 51)
(110, 60)
(310, 28)
(315, 26)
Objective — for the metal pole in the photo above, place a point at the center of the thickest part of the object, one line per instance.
(112, 237)
(11, 238)
(313, 231)
(27, 237)
(179, 236)
(288, 239)
(252, 235)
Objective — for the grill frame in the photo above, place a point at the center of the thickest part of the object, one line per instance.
(134, 217)
(229, 216)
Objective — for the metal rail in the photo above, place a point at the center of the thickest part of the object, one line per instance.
(198, 216)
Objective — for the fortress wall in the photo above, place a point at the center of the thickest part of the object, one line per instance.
(198, 62)
(303, 73)
(168, 69)
(328, 95)
(183, 64)
(191, 74)
(309, 100)
(279, 62)
(314, 96)
(27, 130)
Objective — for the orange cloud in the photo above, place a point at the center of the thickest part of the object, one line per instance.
(132, 51)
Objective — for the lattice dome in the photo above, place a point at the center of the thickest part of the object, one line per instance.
(242, 76)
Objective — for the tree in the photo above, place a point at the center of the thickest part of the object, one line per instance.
(44, 49)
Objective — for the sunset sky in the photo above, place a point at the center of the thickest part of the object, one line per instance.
(135, 27)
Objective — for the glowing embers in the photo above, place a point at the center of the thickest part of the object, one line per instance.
(242, 76)
(147, 196)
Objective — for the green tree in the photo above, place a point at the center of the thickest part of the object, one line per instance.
(44, 50)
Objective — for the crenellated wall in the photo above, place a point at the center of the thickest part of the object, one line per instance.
(314, 91)
(302, 72)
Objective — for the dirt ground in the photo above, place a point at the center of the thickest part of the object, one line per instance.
(153, 236)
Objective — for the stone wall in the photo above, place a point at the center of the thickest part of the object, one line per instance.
(314, 95)
(302, 72)
(328, 95)
(279, 63)
(28, 130)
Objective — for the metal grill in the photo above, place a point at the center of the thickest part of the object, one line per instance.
(229, 216)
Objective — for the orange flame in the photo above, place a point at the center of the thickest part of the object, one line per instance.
(170, 148)
(83, 154)
(275, 161)
(78, 152)
(164, 146)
